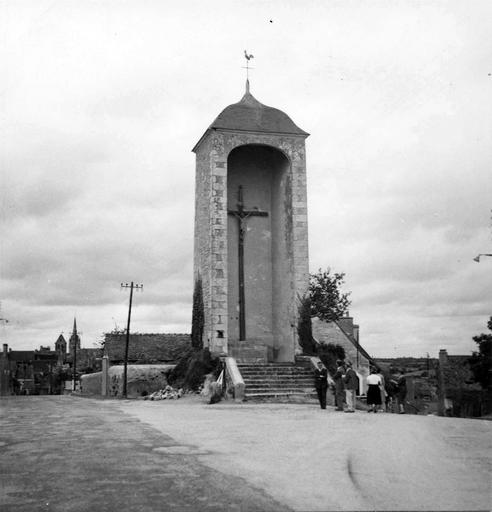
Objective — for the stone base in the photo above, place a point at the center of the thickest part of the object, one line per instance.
(248, 351)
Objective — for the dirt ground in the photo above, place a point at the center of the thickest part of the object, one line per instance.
(313, 459)
(68, 454)
(75, 454)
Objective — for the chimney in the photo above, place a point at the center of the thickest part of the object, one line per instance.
(356, 333)
(443, 356)
(346, 323)
(5, 349)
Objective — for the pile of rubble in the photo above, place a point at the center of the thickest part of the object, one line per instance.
(167, 393)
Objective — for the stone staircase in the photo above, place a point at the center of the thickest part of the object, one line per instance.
(278, 382)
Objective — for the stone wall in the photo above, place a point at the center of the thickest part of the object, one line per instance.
(141, 379)
(91, 383)
(330, 332)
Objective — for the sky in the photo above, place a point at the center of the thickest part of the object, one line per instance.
(102, 101)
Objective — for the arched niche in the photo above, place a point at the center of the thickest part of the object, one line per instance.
(263, 174)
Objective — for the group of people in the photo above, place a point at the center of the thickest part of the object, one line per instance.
(346, 385)
(380, 395)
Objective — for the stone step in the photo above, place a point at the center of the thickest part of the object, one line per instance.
(289, 371)
(273, 390)
(266, 365)
(278, 382)
(283, 392)
(283, 397)
(261, 368)
(257, 376)
(278, 378)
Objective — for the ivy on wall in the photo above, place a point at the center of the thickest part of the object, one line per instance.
(198, 316)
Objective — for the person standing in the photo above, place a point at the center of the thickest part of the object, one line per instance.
(321, 383)
(391, 392)
(401, 394)
(373, 391)
(351, 385)
(382, 390)
(339, 386)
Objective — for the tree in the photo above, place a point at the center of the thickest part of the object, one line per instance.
(481, 361)
(327, 301)
(324, 300)
(198, 318)
(304, 326)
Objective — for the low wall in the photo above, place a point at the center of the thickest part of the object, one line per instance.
(90, 383)
(141, 379)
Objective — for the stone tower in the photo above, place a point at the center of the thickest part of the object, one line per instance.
(61, 349)
(251, 238)
(74, 342)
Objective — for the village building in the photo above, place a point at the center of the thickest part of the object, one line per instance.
(39, 371)
(27, 371)
(345, 333)
(145, 348)
(458, 393)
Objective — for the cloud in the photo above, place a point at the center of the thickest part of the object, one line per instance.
(103, 103)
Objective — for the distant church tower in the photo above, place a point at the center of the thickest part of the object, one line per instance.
(61, 349)
(251, 236)
(74, 339)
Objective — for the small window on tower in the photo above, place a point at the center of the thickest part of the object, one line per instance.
(220, 334)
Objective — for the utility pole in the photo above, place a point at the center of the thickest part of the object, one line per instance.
(127, 343)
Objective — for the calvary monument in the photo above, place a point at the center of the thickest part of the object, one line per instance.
(251, 236)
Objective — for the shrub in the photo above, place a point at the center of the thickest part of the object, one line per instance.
(304, 327)
(329, 353)
(198, 316)
(192, 368)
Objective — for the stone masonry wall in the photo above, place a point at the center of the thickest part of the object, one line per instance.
(140, 378)
(211, 227)
(330, 332)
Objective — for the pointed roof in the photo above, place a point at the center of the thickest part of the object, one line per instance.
(61, 339)
(74, 326)
(249, 115)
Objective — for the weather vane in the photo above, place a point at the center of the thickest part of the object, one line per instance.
(248, 57)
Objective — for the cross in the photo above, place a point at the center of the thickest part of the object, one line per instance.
(241, 215)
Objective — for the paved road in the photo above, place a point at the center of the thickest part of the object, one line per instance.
(310, 459)
(76, 454)
(73, 454)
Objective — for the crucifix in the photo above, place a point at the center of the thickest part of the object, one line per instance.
(241, 215)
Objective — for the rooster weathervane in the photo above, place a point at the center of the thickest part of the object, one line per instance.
(248, 57)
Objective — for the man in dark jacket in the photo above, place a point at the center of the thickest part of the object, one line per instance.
(351, 385)
(321, 383)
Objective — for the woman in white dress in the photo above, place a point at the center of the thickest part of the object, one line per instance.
(373, 391)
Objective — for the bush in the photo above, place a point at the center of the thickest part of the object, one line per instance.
(192, 368)
(329, 353)
(304, 327)
(198, 316)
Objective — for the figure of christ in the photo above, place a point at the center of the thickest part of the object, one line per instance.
(242, 216)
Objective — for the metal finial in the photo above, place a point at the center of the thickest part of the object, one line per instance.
(248, 57)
